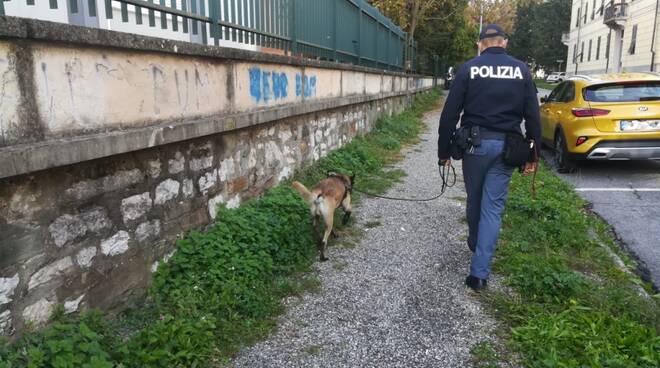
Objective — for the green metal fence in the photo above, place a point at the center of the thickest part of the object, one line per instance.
(341, 30)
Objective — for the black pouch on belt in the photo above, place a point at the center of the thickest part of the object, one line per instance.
(516, 150)
(459, 142)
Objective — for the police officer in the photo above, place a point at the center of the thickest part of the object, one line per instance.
(495, 92)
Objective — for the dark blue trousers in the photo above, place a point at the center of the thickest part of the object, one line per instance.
(486, 178)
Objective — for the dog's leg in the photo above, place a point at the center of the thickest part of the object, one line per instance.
(328, 217)
(346, 205)
(315, 225)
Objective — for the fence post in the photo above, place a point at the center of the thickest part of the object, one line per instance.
(334, 30)
(387, 51)
(214, 12)
(292, 27)
(404, 41)
(108, 9)
(435, 69)
(359, 40)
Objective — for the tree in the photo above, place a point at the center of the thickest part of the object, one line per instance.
(500, 12)
(447, 34)
(551, 19)
(520, 44)
(536, 38)
(409, 14)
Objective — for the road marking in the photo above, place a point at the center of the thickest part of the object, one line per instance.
(617, 189)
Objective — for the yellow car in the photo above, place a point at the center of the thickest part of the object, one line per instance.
(604, 117)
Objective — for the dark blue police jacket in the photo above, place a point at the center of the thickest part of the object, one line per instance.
(493, 90)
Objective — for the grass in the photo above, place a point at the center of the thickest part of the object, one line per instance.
(570, 305)
(339, 265)
(540, 83)
(484, 355)
(372, 224)
(223, 287)
(312, 350)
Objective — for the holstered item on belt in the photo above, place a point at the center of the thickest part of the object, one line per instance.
(475, 136)
(459, 142)
(517, 150)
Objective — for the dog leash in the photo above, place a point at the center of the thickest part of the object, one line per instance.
(536, 159)
(444, 173)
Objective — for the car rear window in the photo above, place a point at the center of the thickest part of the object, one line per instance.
(623, 92)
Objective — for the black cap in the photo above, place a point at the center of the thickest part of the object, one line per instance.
(492, 30)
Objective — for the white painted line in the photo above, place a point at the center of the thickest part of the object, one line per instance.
(617, 189)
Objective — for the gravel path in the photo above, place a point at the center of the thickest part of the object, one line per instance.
(397, 299)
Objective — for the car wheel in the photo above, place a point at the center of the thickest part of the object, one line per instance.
(563, 162)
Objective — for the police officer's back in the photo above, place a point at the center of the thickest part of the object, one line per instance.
(494, 92)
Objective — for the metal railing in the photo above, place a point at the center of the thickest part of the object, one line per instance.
(350, 31)
(615, 12)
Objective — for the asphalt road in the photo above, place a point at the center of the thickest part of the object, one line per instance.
(627, 195)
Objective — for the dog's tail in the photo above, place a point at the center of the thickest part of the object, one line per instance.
(304, 192)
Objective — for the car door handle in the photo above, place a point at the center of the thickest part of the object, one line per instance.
(558, 112)
(546, 110)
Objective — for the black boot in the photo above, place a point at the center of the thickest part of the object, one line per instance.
(476, 283)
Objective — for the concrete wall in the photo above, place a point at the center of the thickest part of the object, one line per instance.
(113, 146)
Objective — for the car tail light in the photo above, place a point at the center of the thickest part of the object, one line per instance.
(580, 140)
(585, 112)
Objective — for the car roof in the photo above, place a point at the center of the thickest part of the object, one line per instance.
(616, 77)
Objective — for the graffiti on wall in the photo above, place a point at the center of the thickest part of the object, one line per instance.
(305, 85)
(269, 85)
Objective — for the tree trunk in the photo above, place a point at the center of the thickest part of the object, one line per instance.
(414, 17)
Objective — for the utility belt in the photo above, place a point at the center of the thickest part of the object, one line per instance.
(517, 150)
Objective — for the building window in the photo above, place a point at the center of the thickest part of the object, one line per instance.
(589, 51)
(598, 48)
(602, 7)
(579, 16)
(633, 40)
(593, 10)
(582, 52)
(586, 11)
(575, 53)
(607, 45)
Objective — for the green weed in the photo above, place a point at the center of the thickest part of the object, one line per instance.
(372, 224)
(484, 355)
(558, 316)
(312, 350)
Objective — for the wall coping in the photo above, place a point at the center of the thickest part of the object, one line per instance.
(39, 30)
(30, 157)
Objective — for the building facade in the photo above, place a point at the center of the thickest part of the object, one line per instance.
(613, 36)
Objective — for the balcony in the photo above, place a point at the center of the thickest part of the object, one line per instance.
(565, 38)
(616, 15)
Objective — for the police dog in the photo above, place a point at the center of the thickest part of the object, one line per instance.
(328, 195)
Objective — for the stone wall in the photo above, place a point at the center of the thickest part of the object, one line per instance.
(89, 235)
(100, 175)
